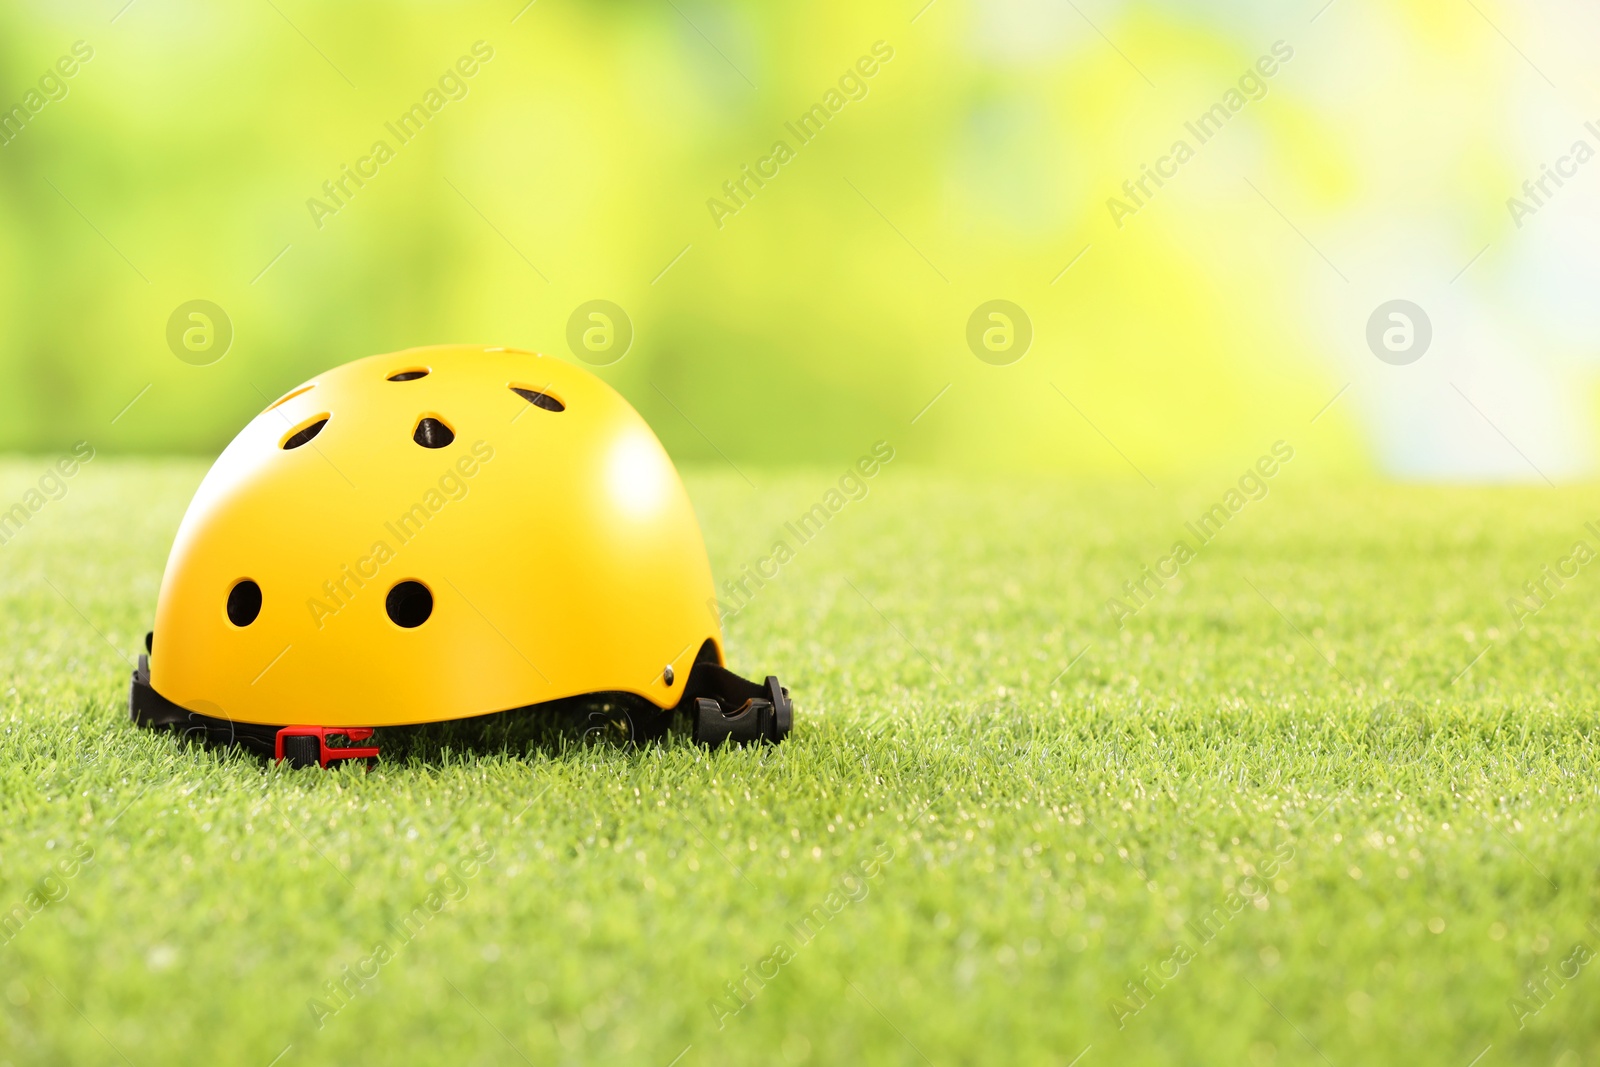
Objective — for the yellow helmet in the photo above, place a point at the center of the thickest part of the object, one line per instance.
(438, 534)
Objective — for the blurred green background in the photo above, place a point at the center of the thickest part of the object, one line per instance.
(975, 164)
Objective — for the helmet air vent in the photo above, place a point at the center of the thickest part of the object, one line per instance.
(305, 433)
(538, 399)
(286, 397)
(409, 604)
(244, 602)
(433, 433)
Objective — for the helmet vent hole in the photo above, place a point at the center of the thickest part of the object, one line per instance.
(409, 375)
(433, 433)
(305, 433)
(286, 397)
(538, 399)
(409, 604)
(244, 602)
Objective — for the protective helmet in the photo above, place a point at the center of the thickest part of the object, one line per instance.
(433, 535)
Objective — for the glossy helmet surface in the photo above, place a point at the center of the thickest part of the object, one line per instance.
(435, 534)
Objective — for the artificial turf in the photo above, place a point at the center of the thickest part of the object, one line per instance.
(1278, 799)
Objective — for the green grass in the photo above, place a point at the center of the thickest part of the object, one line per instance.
(1431, 841)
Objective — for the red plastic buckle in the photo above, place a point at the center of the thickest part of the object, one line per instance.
(325, 754)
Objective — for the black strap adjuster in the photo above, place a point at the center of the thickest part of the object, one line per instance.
(726, 707)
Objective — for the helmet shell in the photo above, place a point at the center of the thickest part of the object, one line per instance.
(559, 548)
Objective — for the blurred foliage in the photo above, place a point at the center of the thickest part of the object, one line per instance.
(823, 315)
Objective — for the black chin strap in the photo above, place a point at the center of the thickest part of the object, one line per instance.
(148, 708)
(722, 706)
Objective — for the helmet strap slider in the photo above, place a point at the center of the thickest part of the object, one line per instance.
(303, 746)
